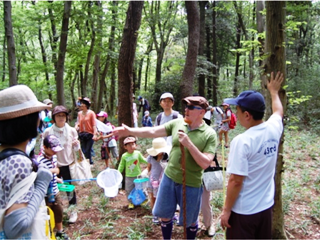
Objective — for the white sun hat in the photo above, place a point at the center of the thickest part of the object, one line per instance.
(17, 101)
(159, 145)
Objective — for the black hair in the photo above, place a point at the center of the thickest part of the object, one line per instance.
(46, 142)
(85, 103)
(17, 130)
(255, 115)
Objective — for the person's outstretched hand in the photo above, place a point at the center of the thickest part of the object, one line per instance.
(274, 84)
(122, 131)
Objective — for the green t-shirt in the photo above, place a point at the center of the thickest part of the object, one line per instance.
(204, 138)
(131, 161)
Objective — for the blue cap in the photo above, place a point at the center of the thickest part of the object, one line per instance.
(251, 100)
(139, 97)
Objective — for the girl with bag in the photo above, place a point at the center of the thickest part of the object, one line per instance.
(19, 119)
(68, 137)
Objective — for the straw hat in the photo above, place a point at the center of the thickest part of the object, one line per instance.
(17, 101)
(159, 145)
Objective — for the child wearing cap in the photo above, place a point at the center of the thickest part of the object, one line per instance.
(130, 162)
(157, 161)
(146, 120)
(109, 144)
(51, 145)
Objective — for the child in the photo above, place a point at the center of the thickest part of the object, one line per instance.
(146, 120)
(130, 161)
(109, 142)
(51, 145)
(158, 155)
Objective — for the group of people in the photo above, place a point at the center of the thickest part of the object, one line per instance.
(247, 211)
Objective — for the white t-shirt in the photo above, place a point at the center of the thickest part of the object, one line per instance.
(217, 115)
(253, 154)
(165, 119)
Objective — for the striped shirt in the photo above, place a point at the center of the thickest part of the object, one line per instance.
(50, 163)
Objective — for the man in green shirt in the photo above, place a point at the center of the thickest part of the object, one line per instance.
(199, 141)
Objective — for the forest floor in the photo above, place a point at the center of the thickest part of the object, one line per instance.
(109, 218)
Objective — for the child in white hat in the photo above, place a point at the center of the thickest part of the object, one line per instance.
(157, 160)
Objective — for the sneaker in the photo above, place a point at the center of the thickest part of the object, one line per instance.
(211, 230)
(155, 220)
(62, 235)
(130, 206)
(73, 217)
(145, 202)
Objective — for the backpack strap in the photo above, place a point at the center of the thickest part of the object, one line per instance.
(158, 119)
(175, 115)
(11, 151)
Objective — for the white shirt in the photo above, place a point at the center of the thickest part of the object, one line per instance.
(217, 115)
(165, 119)
(253, 154)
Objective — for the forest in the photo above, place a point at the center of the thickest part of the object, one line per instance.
(107, 50)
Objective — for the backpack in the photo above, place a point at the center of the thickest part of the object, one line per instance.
(233, 121)
(158, 118)
(43, 222)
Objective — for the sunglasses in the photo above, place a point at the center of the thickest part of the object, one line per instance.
(191, 107)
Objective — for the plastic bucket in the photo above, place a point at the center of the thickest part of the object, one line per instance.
(141, 183)
(109, 180)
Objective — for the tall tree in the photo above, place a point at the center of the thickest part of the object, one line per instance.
(214, 56)
(201, 77)
(10, 44)
(276, 61)
(188, 74)
(62, 52)
(125, 64)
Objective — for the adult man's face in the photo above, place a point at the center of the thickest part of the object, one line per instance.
(166, 104)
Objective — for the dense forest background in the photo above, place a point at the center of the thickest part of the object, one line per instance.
(63, 50)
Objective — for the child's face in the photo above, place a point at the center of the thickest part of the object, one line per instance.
(48, 151)
(159, 156)
(130, 147)
(101, 119)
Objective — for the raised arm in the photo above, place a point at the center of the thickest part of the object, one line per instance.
(144, 132)
(274, 86)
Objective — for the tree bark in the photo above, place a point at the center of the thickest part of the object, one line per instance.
(276, 61)
(125, 64)
(214, 57)
(10, 43)
(54, 39)
(202, 78)
(62, 52)
(44, 60)
(188, 74)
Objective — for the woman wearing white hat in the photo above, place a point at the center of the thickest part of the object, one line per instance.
(19, 119)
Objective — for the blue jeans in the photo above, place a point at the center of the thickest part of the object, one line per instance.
(170, 194)
(86, 145)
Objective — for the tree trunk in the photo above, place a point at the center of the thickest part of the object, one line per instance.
(96, 65)
(62, 52)
(125, 64)
(275, 37)
(10, 44)
(55, 38)
(214, 57)
(236, 74)
(4, 60)
(188, 74)
(202, 78)
(44, 60)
